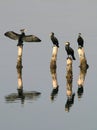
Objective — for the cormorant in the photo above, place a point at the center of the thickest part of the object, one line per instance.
(54, 39)
(69, 50)
(80, 41)
(22, 37)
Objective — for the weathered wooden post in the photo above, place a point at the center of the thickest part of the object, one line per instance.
(19, 57)
(53, 68)
(83, 70)
(20, 82)
(19, 70)
(69, 78)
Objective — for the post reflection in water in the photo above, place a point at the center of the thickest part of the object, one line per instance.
(53, 68)
(21, 95)
(69, 78)
(83, 70)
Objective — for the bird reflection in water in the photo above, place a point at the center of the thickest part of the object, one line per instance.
(83, 70)
(53, 68)
(69, 92)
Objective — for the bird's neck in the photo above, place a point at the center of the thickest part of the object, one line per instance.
(23, 34)
(52, 37)
(67, 46)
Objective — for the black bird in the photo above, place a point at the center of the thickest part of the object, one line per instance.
(22, 37)
(54, 39)
(69, 50)
(80, 40)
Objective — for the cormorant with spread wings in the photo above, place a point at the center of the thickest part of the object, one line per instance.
(22, 37)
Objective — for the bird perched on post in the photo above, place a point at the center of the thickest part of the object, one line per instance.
(69, 50)
(54, 39)
(80, 40)
(22, 37)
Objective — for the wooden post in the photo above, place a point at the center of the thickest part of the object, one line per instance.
(53, 74)
(53, 68)
(83, 70)
(19, 58)
(20, 82)
(19, 70)
(82, 58)
(69, 77)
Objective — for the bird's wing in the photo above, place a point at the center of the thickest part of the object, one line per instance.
(56, 40)
(71, 50)
(80, 39)
(31, 38)
(12, 35)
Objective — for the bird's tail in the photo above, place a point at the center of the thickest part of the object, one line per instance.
(73, 57)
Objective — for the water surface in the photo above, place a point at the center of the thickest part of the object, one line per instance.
(66, 19)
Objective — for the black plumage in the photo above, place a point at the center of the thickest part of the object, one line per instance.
(54, 39)
(80, 40)
(22, 37)
(69, 50)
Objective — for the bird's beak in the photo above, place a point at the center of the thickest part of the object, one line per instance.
(25, 30)
(50, 34)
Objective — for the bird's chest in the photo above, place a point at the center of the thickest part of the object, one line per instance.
(53, 40)
(68, 50)
(21, 38)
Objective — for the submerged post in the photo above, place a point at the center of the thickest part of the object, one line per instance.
(19, 70)
(83, 70)
(69, 77)
(20, 82)
(53, 68)
(82, 58)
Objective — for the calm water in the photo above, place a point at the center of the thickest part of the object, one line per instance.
(66, 18)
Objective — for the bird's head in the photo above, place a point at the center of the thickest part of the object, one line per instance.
(79, 34)
(23, 30)
(51, 34)
(67, 43)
